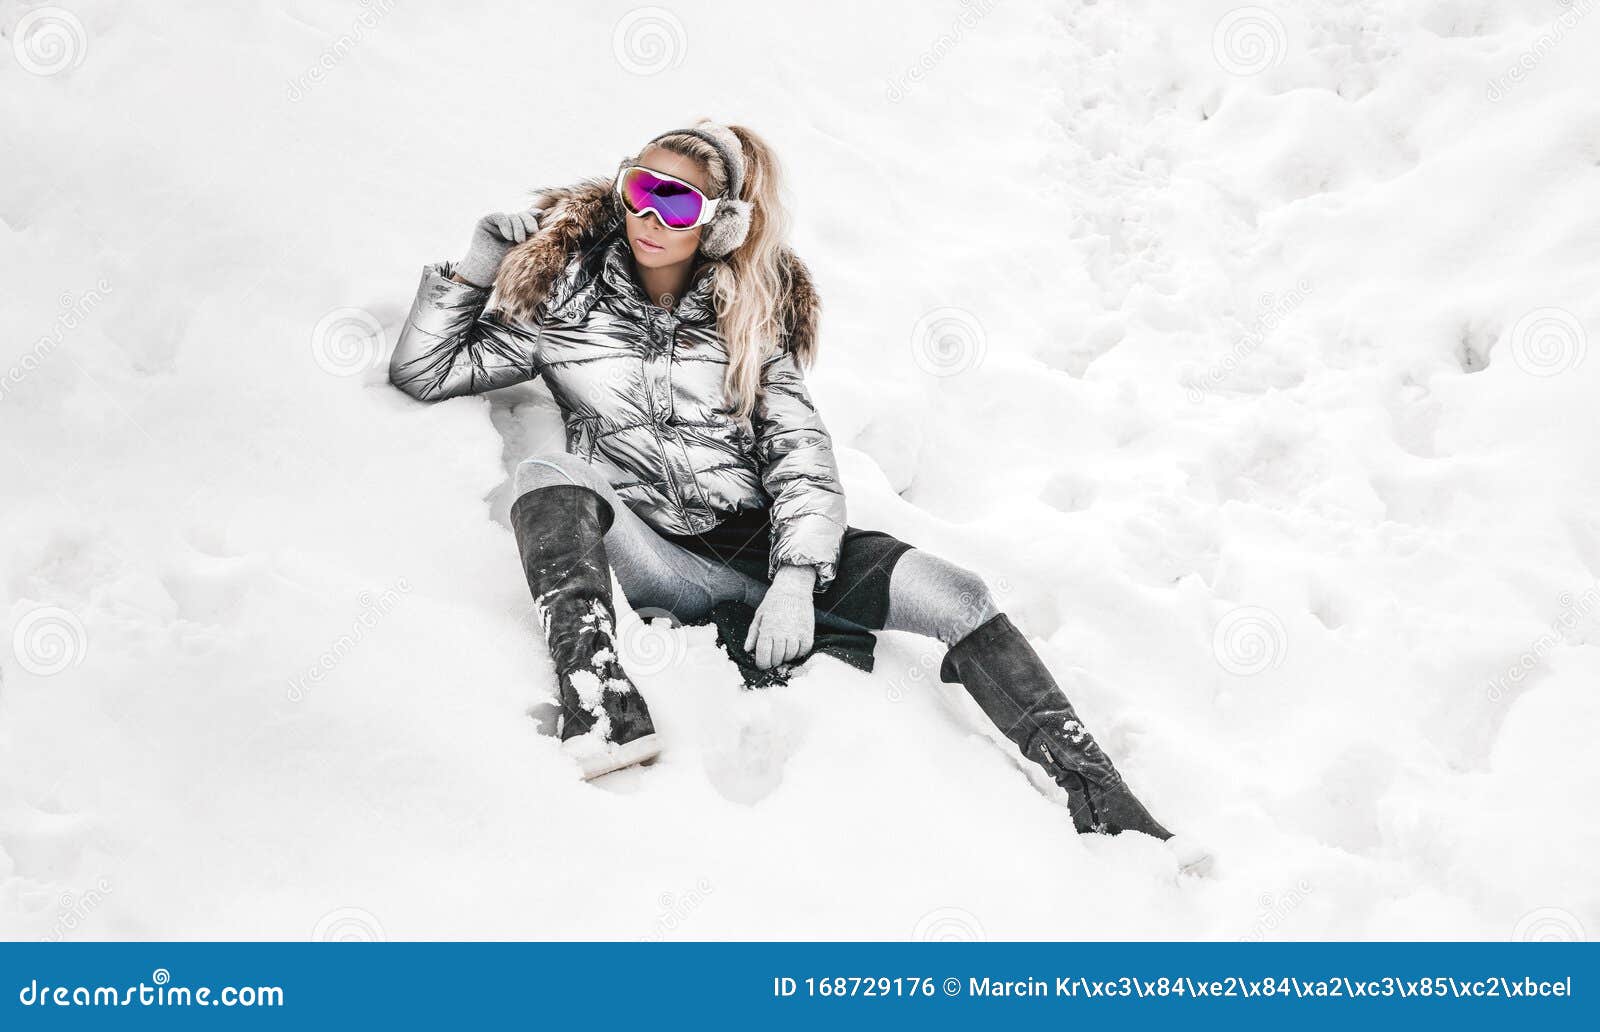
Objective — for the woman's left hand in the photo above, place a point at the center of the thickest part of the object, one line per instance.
(785, 623)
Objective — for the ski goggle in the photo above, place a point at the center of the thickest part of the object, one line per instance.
(677, 205)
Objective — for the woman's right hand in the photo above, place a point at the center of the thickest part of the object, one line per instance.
(492, 238)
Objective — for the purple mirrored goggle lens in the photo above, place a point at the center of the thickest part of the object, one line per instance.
(677, 205)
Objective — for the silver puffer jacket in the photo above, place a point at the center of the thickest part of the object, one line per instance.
(640, 389)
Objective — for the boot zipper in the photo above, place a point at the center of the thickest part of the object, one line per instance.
(1083, 787)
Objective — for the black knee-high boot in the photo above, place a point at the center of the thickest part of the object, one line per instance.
(1011, 685)
(561, 534)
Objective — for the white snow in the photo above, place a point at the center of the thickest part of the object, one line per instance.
(1242, 350)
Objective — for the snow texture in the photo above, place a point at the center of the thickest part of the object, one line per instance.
(1242, 350)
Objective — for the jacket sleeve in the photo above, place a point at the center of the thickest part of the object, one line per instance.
(798, 471)
(449, 347)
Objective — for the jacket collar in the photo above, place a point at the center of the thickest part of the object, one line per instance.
(617, 274)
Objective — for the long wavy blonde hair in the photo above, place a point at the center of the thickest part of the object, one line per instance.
(750, 285)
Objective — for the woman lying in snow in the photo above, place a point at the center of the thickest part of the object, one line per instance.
(671, 323)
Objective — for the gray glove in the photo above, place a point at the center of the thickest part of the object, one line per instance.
(492, 238)
(785, 622)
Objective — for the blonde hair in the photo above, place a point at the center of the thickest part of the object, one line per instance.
(751, 285)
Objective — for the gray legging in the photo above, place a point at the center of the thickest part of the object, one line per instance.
(927, 595)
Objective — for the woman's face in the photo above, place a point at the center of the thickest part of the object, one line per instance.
(654, 245)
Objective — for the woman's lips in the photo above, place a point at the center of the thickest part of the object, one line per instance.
(648, 244)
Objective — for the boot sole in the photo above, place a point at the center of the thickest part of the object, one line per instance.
(612, 757)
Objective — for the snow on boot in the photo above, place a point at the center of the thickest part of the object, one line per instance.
(604, 723)
(1011, 685)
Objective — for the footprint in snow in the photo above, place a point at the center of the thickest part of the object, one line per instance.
(748, 766)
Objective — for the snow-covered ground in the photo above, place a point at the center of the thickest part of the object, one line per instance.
(1243, 350)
